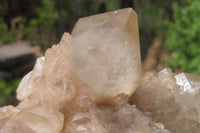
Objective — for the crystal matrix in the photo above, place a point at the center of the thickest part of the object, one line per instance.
(83, 83)
(170, 99)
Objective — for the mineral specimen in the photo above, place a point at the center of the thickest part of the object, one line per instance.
(82, 85)
(170, 99)
(105, 54)
(102, 58)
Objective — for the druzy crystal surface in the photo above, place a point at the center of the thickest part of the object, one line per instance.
(170, 99)
(91, 83)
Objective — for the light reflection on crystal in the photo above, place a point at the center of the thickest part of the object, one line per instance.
(162, 97)
(182, 81)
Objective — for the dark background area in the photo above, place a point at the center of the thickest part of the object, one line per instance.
(169, 32)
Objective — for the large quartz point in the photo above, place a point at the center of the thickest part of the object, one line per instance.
(105, 54)
(170, 99)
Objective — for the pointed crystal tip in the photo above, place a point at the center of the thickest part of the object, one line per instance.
(105, 54)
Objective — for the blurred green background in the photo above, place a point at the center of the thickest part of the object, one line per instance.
(169, 30)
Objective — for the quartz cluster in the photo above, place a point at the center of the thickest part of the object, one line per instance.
(171, 99)
(91, 82)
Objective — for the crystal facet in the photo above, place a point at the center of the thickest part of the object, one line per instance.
(105, 54)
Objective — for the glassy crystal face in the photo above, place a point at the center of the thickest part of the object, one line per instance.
(188, 95)
(170, 99)
(105, 54)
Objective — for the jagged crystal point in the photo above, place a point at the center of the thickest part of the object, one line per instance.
(105, 54)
